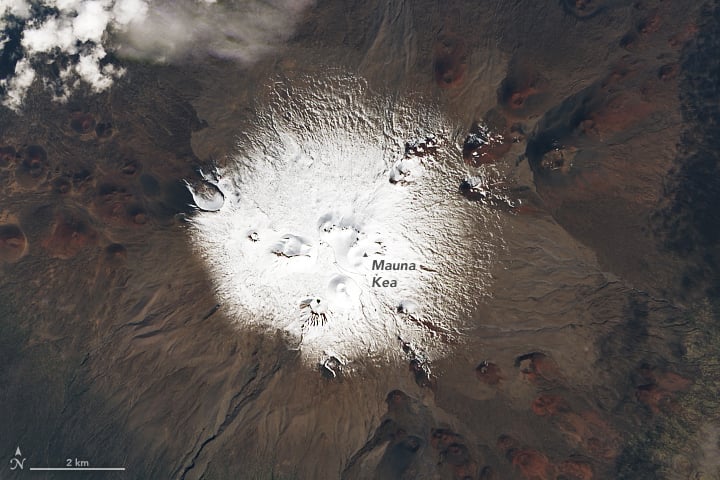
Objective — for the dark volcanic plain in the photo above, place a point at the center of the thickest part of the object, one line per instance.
(594, 357)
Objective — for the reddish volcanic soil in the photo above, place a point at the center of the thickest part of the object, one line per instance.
(584, 8)
(33, 166)
(522, 92)
(82, 122)
(618, 126)
(660, 388)
(7, 156)
(615, 115)
(13, 243)
(450, 60)
(489, 149)
(549, 405)
(70, 235)
(538, 367)
(575, 470)
(488, 373)
(532, 464)
(116, 252)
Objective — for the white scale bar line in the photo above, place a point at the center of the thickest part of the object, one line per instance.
(78, 469)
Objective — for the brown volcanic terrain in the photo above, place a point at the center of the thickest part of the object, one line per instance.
(588, 361)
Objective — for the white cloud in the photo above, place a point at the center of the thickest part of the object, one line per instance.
(18, 85)
(243, 30)
(77, 30)
(127, 11)
(19, 8)
(16, 8)
(91, 21)
(53, 33)
(89, 70)
(159, 30)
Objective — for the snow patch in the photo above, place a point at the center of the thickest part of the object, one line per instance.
(310, 206)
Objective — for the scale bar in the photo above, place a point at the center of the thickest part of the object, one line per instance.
(78, 469)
